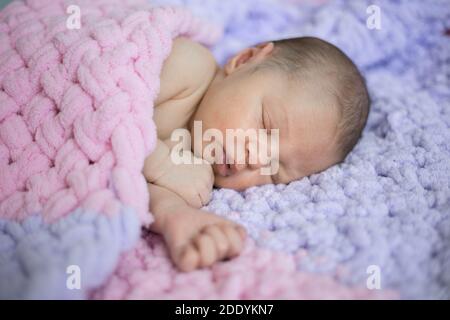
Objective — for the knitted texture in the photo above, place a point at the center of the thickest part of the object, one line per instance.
(147, 273)
(76, 124)
(76, 118)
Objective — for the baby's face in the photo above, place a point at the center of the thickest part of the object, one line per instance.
(240, 99)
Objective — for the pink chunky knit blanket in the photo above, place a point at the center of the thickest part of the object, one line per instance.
(76, 117)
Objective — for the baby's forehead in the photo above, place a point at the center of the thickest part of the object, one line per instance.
(297, 98)
(298, 93)
(303, 115)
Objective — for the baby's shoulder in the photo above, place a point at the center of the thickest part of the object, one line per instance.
(189, 66)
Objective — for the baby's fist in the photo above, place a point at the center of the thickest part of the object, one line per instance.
(193, 182)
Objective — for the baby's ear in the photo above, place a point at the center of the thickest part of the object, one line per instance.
(248, 56)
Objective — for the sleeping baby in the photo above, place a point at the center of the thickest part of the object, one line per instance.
(304, 90)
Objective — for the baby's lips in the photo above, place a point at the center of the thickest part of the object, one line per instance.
(221, 169)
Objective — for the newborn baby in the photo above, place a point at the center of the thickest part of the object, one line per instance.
(305, 87)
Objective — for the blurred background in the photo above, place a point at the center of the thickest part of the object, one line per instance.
(3, 3)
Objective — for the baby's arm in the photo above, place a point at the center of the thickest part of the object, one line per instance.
(194, 238)
(163, 204)
(157, 163)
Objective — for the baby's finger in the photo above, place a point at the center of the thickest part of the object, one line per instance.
(220, 240)
(242, 232)
(200, 200)
(211, 175)
(206, 249)
(188, 259)
(193, 199)
(205, 195)
(234, 239)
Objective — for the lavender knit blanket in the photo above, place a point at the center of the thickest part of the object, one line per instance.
(388, 204)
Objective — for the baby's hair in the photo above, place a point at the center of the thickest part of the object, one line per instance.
(308, 58)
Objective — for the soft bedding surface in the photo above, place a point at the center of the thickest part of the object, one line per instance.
(387, 205)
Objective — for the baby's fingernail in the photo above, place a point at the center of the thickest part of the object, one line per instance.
(242, 231)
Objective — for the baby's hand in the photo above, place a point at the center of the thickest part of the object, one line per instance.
(192, 182)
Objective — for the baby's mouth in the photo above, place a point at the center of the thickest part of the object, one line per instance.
(223, 169)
